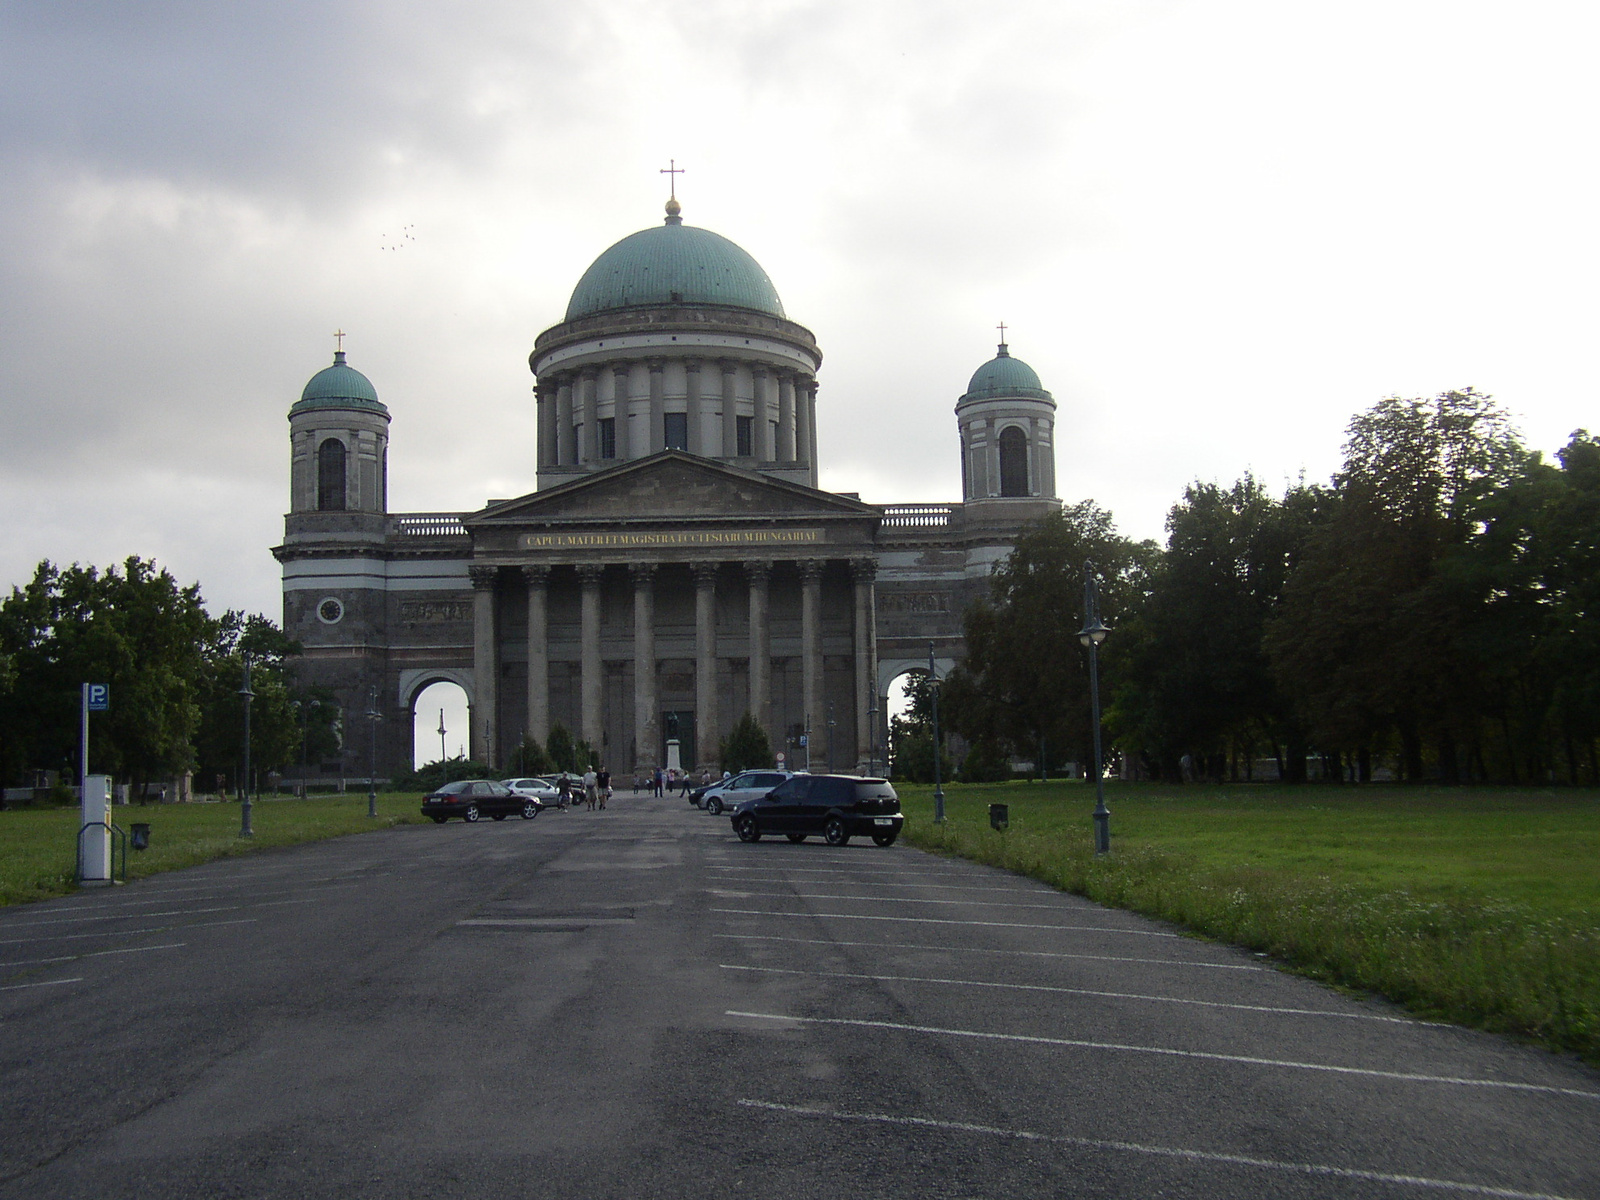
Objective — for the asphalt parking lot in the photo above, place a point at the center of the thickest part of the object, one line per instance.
(633, 1003)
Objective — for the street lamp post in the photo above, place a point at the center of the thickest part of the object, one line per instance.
(938, 787)
(373, 716)
(872, 740)
(1091, 635)
(246, 695)
(831, 761)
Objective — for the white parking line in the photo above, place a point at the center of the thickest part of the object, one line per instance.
(34, 962)
(15, 987)
(762, 912)
(1178, 1152)
(176, 912)
(1040, 987)
(764, 877)
(878, 899)
(1165, 962)
(117, 933)
(918, 877)
(1405, 1076)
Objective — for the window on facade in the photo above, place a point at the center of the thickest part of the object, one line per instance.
(773, 430)
(746, 436)
(675, 427)
(577, 443)
(330, 476)
(383, 480)
(1013, 462)
(608, 437)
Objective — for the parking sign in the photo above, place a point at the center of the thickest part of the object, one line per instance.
(99, 697)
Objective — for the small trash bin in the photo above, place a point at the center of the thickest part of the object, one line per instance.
(999, 817)
(141, 836)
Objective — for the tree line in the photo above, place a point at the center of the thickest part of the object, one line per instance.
(1432, 612)
(175, 672)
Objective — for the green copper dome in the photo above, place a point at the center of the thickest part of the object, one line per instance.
(1003, 375)
(673, 263)
(339, 386)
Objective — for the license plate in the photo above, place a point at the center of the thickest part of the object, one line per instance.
(883, 821)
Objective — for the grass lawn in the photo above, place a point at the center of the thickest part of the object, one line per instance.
(1475, 905)
(38, 856)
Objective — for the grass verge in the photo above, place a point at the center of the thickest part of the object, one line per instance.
(38, 856)
(1476, 906)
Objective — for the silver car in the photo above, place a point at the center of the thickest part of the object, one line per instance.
(747, 785)
(541, 790)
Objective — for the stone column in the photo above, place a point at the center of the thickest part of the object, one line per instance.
(865, 572)
(699, 439)
(786, 418)
(566, 450)
(761, 442)
(811, 658)
(485, 667)
(619, 412)
(593, 680)
(545, 409)
(1035, 460)
(645, 729)
(538, 579)
(705, 662)
(590, 454)
(759, 572)
(730, 408)
(993, 457)
(658, 401)
(811, 428)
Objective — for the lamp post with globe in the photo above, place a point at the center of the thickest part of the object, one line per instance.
(1091, 635)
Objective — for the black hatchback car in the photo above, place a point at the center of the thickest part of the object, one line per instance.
(471, 799)
(837, 806)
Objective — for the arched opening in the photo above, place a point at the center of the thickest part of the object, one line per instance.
(331, 476)
(440, 705)
(1013, 462)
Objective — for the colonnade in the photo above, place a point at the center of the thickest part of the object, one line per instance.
(486, 742)
(783, 409)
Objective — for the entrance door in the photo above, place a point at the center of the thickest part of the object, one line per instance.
(678, 726)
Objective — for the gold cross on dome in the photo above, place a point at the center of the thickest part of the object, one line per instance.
(339, 335)
(1002, 328)
(672, 170)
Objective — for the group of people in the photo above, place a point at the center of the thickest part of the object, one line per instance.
(595, 788)
(667, 780)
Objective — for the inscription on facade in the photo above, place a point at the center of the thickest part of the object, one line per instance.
(436, 610)
(687, 537)
(913, 602)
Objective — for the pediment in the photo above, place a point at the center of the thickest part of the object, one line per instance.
(671, 486)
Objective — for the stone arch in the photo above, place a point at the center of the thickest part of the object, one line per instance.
(1013, 443)
(412, 685)
(332, 475)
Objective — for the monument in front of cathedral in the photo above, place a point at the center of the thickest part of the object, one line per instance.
(677, 565)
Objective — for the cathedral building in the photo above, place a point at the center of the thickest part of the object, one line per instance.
(677, 565)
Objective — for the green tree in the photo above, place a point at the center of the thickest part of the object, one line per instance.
(562, 751)
(527, 758)
(1024, 681)
(1370, 639)
(746, 746)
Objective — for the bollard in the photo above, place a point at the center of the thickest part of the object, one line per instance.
(140, 836)
(999, 817)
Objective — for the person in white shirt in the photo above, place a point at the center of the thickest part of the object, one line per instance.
(591, 788)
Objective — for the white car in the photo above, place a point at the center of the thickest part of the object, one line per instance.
(747, 785)
(541, 790)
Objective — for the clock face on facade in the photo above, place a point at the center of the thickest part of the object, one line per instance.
(330, 611)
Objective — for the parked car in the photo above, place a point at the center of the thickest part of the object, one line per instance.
(838, 807)
(729, 793)
(470, 799)
(542, 790)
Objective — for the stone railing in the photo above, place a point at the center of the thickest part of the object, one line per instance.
(427, 525)
(917, 516)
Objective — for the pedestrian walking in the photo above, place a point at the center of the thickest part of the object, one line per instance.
(591, 787)
(603, 785)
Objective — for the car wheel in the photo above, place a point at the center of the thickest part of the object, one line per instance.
(714, 807)
(834, 832)
(885, 839)
(440, 820)
(530, 811)
(471, 814)
(747, 829)
(796, 837)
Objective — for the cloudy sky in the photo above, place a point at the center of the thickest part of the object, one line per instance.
(1216, 230)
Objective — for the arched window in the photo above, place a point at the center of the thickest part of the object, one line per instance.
(1013, 462)
(330, 475)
